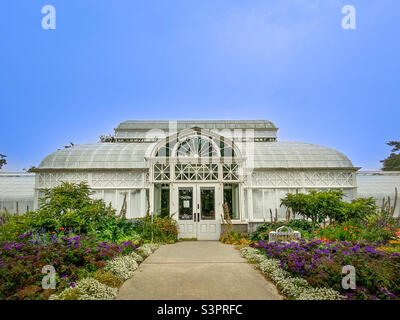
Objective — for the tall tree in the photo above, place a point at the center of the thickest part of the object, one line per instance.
(2, 160)
(392, 163)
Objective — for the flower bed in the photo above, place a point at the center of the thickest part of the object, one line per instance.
(72, 257)
(320, 264)
(292, 287)
(105, 283)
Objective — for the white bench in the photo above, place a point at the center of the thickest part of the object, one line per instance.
(284, 236)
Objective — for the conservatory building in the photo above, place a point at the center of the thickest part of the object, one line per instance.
(192, 170)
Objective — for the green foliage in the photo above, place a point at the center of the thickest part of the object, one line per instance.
(5, 216)
(158, 229)
(305, 227)
(2, 160)
(359, 209)
(234, 237)
(108, 278)
(355, 230)
(392, 162)
(69, 208)
(15, 226)
(321, 205)
(316, 205)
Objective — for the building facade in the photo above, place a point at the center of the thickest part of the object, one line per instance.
(189, 169)
(17, 191)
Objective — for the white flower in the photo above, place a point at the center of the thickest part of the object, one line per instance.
(144, 251)
(152, 246)
(293, 287)
(87, 289)
(95, 290)
(123, 267)
(138, 258)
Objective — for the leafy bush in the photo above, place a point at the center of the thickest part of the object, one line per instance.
(359, 209)
(316, 205)
(163, 230)
(353, 230)
(235, 238)
(69, 208)
(5, 216)
(68, 294)
(321, 205)
(108, 278)
(305, 227)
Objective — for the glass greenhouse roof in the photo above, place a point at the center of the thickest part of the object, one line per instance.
(132, 156)
(100, 156)
(204, 124)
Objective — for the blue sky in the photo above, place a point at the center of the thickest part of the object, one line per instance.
(287, 61)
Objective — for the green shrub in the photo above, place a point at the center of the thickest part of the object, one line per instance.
(359, 209)
(305, 227)
(5, 216)
(69, 208)
(316, 205)
(14, 227)
(322, 205)
(157, 229)
(67, 294)
(108, 278)
(354, 230)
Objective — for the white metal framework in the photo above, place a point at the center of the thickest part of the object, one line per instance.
(243, 158)
(195, 155)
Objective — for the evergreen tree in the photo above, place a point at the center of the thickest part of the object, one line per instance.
(392, 163)
(2, 160)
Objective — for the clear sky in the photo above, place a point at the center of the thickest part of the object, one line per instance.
(287, 61)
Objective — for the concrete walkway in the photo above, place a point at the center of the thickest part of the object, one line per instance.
(197, 270)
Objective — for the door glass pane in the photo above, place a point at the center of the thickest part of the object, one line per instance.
(185, 203)
(207, 196)
(231, 198)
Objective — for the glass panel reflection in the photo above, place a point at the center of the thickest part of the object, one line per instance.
(185, 204)
(207, 196)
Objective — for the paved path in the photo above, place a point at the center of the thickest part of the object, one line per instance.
(197, 270)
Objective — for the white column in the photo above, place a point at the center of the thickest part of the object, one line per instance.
(142, 202)
(250, 203)
(241, 202)
(151, 198)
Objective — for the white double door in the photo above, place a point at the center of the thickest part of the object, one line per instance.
(198, 209)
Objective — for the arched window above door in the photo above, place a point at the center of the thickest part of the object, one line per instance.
(196, 145)
(195, 155)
